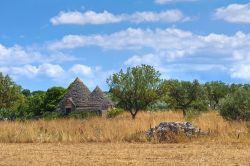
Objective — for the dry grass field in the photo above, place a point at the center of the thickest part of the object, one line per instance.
(122, 141)
(108, 154)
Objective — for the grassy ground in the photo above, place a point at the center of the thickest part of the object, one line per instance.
(141, 154)
(122, 141)
(120, 129)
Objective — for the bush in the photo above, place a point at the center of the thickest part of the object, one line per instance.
(236, 106)
(52, 115)
(82, 115)
(199, 105)
(158, 106)
(114, 112)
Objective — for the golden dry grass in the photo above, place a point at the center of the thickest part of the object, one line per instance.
(101, 141)
(119, 129)
(120, 154)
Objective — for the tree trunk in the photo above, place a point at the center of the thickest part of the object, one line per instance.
(133, 114)
(184, 113)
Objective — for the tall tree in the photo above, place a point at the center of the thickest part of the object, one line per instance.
(52, 97)
(216, 90)
(184, 94)
(136, 88)
(236, 105)
(10, 93)
(36, 103)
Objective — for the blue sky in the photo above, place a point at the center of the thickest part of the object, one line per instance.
(50, 42)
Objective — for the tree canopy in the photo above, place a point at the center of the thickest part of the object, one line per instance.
(136, 88)
(10, 93)
(185, 94)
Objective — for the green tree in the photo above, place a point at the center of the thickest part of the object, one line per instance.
(52, 98)
(216, 90)
(185, 95)
(236, 105)
(26, 92)
(36, 103)
(136, 88)
(10, 93)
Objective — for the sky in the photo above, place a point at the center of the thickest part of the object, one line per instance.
(47, 43)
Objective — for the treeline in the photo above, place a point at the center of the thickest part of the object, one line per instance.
(21, 104)
(138, 88)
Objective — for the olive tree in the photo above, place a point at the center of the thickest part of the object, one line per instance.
(185, 95)
(216, 90)
(136, 88)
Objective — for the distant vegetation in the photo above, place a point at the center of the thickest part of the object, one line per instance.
(137, 89)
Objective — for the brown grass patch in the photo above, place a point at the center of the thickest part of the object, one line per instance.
(119, 129)
(120, 154)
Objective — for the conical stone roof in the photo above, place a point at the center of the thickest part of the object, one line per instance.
(98, 101)
(78, 92)
(83, 100)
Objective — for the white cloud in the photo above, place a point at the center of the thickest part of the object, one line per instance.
(91, 17)
(241, 71)
(18, 55)
(30, 71)
(165, 16)
(149, 59)
(171, 1)
(170, 39)
(80, 69)
(234, 13)
(166, 45)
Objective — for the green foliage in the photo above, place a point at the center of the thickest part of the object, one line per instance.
(52, 97)
(26, 92)
(36, 103)
(52, 115)
(158, 106)
(185, 95)
(216, 90)
(136, 88)
(236, 106)
(10, 93)
(82, 115)
(113, 112)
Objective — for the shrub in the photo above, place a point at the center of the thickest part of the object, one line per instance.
(158, 106)
(199, 105)
(52, 115)
(114, 112)
(236, 106)
(82, 115)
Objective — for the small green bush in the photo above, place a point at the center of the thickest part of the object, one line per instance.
(158, 106)
(236, 106)
(52, 115)
(114, 112)
(82, 115)
(199, 105)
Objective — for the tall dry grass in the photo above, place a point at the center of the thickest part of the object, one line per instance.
(119, 129)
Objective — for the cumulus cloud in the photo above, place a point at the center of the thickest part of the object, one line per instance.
(167, 45)
(18, 55)
(241, 71)
(91, 17)
(80, 69)
(234, 13)
(171, 1)
(170, 39)
(31, 71)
